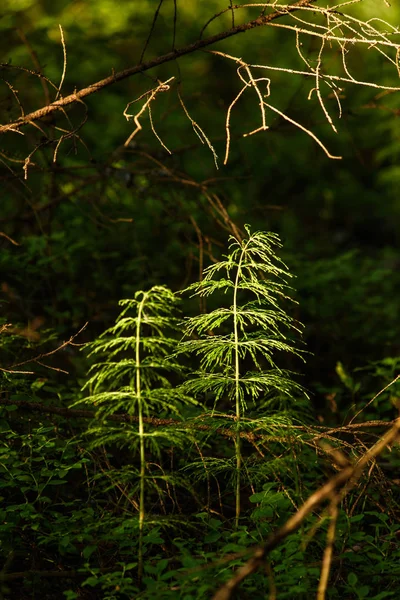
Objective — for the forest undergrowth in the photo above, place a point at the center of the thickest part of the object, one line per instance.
(201, 456)
(169, 428)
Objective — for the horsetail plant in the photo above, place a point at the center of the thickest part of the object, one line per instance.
(132, 380)
(236, 344)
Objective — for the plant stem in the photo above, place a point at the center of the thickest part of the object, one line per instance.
(237, 391)
(141, 439)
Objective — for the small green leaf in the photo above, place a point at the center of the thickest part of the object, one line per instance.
(88, 551)
(92, 581)
(352, 579)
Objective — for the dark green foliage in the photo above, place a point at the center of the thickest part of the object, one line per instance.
(94, 506)
(118, 504)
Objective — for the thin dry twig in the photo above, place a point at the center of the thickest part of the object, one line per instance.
(253, 82)
(64, 63)
(37, 65)
(307, 131)
(15, 94)
(162, 87)
(37, 359)
(328, 552)
(198, 130)
(153, 24)
(2, 234)
(374, 398)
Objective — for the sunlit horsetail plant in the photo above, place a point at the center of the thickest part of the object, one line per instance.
(132, 379)
(251, 330)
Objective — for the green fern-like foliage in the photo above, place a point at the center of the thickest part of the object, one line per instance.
(236, 344)
(133, 379)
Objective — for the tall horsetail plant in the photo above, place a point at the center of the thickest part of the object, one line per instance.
(236, 344)
(131, 380)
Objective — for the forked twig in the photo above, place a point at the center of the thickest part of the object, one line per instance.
(307, 131)
(338, 28)
(162, 87)
(253, 82)
(37, 359)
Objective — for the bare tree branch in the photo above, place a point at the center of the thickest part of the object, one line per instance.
(318, 431)
(37, 359)
(155, 62)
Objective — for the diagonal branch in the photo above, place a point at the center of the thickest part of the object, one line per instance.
(341, 483)
(318, 431)
(170, 56)
(37, 359)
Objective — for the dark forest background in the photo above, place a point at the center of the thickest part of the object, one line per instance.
(87, 220)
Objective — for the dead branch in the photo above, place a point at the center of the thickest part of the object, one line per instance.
(140, 68)
(37, 359)
(198, 426)
(340, 484)
(2, 234)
